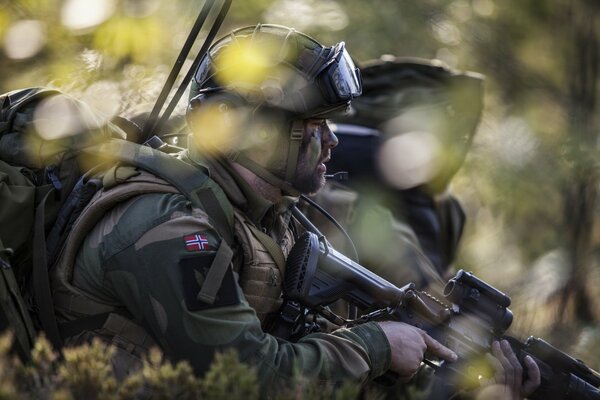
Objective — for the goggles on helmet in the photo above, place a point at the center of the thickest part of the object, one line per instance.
(331, 78)
(340, 79)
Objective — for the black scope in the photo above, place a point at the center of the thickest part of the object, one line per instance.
(475, 296)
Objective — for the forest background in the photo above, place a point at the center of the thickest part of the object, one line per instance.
(530, 182)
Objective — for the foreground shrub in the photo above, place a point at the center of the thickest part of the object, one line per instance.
(85, 372)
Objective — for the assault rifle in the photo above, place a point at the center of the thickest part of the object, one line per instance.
(471, 315)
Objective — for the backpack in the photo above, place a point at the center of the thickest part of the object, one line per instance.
(45, 183)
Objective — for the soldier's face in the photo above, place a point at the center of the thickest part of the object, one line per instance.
(315, 151)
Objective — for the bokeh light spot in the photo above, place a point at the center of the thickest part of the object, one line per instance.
(84, 14)
(446, 32)
(24, 39)
(409, 159)
(246, 61)
(485, 8)
(58, 117)
(215, 128)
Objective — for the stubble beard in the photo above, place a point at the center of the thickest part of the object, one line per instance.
(308, 179)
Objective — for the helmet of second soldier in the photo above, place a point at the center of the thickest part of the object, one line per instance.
(418, 118)
(255, 87)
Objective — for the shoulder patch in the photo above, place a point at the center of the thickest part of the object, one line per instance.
(194, 270)
(197, 242)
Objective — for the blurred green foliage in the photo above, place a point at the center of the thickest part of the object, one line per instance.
(85, 372)
(530, 182)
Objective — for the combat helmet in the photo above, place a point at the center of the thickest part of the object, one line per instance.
(405, 96)
(260, 83)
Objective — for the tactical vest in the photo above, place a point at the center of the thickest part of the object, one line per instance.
(260, 277)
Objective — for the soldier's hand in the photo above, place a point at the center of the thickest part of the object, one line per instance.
(409, 345)
(508, 378)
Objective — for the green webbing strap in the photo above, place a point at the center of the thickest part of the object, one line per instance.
(216, 273)
(214, 208)
(272, 247)
(189, 180)
(181, 175)
(41, 281)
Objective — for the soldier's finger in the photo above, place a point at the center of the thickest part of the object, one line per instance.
(507, 371)
(515, 364)
(534, 376)
(438, 349)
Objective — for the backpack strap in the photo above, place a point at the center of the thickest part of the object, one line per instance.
(41, 280)
(196, 186)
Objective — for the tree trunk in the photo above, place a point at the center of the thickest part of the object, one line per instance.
(582, 190)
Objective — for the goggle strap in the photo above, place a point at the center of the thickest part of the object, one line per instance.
(296, 134)
(317, 63)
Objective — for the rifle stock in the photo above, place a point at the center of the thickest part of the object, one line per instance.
(477, 314)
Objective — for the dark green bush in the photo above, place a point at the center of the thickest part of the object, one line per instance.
(85, 373)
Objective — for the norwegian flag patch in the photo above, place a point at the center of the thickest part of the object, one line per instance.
(196, 242)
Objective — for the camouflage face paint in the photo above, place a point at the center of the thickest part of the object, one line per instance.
(314, 151)
(314, 146)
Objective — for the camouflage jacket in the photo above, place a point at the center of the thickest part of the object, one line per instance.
(148, 257)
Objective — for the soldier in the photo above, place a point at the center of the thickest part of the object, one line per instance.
(401, 144)
(156, 270)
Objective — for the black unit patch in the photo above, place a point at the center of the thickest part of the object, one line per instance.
(194, 271)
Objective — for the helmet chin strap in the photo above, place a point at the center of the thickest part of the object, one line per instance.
(295, 141)
(296, 135)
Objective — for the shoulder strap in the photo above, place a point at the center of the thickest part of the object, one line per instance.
(189, 180)
(272, 247)
(41, 280)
